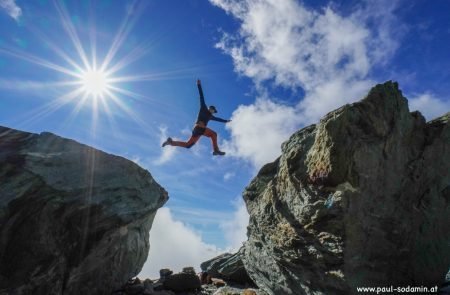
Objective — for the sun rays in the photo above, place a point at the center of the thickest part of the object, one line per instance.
(86, 80)
(92, 82)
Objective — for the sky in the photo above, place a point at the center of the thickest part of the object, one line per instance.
(121, 76)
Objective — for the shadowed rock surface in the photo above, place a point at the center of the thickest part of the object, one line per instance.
(73, 219)
(360, 199)
(228, 267)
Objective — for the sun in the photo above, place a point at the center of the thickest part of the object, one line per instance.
(94, 83)
(91, 80)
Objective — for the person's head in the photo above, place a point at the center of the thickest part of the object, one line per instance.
(212, 109)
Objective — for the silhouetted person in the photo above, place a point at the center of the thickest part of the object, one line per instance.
(204, 115)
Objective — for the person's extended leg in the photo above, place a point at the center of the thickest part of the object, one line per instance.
(186, 144)
(213, 135)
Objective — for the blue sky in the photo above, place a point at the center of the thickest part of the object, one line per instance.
(271, 66)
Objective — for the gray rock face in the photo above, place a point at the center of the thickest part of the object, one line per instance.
(360, 199)
(73, 219)
(228, 267)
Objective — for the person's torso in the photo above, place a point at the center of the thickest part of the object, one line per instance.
(203, 117)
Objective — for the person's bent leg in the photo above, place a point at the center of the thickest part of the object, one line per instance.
(187, 144)
(213, 135)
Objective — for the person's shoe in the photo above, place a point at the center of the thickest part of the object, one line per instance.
(218, 153)
(168, 141)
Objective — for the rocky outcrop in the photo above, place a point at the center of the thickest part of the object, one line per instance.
(360, 199)
(185, 282)
(228, 267)
(73, 219)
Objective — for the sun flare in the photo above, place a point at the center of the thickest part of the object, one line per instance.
(94, 83)
(90, 80)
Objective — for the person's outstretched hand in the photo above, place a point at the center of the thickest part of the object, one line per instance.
(199, 82)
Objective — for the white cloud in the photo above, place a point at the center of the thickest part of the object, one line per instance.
(429, 105)
(328, 55)
(284, 41)
(329, 96)
(235, 229)
(174, 245)
(11, 8)
(258, 129)
(168, 152)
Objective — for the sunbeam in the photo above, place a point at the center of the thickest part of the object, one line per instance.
(128, 93)
(134, 55)
(79, 105)
(38, 61)
(135, 117)
(121, 36)
(93, 82)
(70, 29)
(50, 107)
(52, 46)
(25, 85)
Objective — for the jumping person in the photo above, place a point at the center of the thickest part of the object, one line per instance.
(204, 115)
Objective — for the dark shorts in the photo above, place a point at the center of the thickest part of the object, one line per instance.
(197, 131)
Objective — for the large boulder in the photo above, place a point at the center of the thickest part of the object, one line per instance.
(360, 199)
(73, 219)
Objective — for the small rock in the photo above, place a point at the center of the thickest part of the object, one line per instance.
(137, 281)
(148, 286)
(202, 276)
(205, 278)
(228, 291)
(165, 272)
(218, 282)
(189, 270)
(209, 289)
(182, 282)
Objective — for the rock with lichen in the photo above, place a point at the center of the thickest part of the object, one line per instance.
(360, 199)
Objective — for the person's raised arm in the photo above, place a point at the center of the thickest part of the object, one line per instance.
(200, 92)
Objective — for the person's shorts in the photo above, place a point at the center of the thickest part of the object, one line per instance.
(197, 131)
